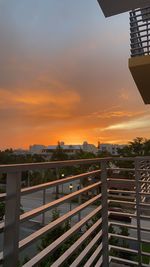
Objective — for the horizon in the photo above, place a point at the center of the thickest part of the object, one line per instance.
(67, 144)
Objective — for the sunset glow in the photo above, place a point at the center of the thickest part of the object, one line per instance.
(64, 75)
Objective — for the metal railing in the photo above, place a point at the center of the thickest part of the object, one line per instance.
(140, 32)
(114, 202)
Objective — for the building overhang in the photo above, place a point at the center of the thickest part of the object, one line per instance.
(140, 70)
(114, 7)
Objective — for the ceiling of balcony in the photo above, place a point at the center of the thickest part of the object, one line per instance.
(114, 7)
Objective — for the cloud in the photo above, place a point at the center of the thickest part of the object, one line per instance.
(138, 123)
(37, 106)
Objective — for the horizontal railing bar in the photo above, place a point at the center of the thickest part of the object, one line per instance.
(145, 217)
(123, 224)
(144, 204)
(133, 45)
(145, 254)
(67, 254)
(139, 53)
(122, 237)
(134, 49)
(124, 261)
(27, 215)
(123, 249)
(1, 257)
(2, 224)
(146, 182)
(139, 12)
(99, 262)
(143, 229)
(35, 188)
(118, 197)
(86, 250)
(53, 246)
(134, 41)
(140, 26)
(139, 20)
(121, 180)
(145, 265)
(128, 238)
(38, 234)
(46, 207)
(121, 191)
(134, 34)
(122, 169)
(93, 256)
(128, 261)
(125, 158)
(48, 165)
(144, 241)
(122, 214)
(2, 196)
(144, 193)
(121, 202)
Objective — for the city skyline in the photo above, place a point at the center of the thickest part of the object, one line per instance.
(64, 75)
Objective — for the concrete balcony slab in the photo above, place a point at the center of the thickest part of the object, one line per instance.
(114, 7)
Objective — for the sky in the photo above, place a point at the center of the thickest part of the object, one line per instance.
(64, 75)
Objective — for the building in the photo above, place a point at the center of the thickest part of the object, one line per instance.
(110, 148)
(36, 149)
(89, 148)
(72, 149)
(68, 149)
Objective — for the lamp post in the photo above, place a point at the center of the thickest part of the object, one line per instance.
(70, 187)
(79, 202)
(62, 176)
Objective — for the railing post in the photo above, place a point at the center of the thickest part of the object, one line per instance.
(12, 214)
(57, 186)
(105, 242)
(79, 201)
(138, 213)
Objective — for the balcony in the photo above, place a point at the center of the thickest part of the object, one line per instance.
(111, 8)
(139, 63)
(109, 195)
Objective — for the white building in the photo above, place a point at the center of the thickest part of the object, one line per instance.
(89, 148)
(110, 148)
(69, 149)
(36, 149)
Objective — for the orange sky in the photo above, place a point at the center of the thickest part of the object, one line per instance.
(64, 75)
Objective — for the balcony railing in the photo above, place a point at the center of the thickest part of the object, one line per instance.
(140, 32)
(112, 199)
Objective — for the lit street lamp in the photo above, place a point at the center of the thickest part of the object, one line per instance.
(62, 176)
(70, 187)
(79, 202)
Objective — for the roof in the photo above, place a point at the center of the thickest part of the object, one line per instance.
(77, 147)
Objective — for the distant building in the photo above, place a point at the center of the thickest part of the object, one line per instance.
(36, 149)
(68, 149)
(20, 151)
(89, 148)
(110, 148)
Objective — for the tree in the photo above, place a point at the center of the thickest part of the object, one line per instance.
(52, 236)
(137, 146)
(59, 154)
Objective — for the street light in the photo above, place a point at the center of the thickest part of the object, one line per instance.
(62, 176)
(70, 187)
(79, 202)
